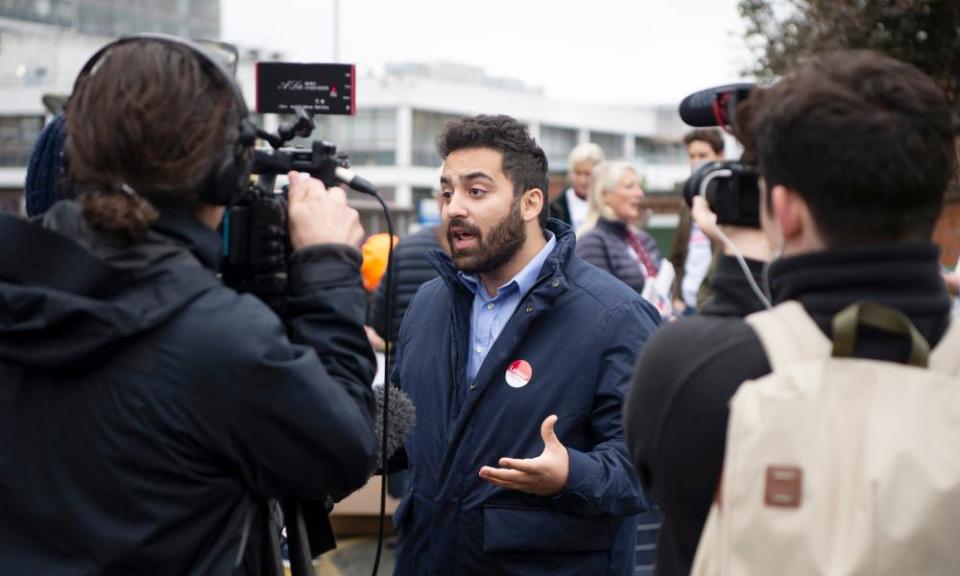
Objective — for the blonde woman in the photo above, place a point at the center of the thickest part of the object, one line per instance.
(610, 239)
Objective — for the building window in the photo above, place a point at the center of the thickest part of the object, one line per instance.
(612, 144)
(369, 137)
(59, 12)
(425, 205)
(654, 151)
(188, 18)
(18, 134)
(426, 127)
(557, 143)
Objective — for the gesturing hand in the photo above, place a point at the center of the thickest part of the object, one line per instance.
(545, 475)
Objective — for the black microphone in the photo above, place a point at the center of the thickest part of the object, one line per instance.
(699, 109)
(401, 416)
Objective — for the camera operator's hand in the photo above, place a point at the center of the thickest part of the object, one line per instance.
(320, 216)
(752, 242)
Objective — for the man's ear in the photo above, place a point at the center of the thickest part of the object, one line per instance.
(532, 203)
(790, 212)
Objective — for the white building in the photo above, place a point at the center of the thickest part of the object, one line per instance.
(390, 140)
(44, 43)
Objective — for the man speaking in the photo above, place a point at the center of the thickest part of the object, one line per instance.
(517, 358)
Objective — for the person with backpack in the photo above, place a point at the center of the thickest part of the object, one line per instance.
(855, 151)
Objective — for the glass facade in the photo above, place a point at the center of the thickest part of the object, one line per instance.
(426, 126)
(653, 151)
(369, 137)
(17, 137)
(58, 12)
(612, 144)
(188, 18)
(557, 143)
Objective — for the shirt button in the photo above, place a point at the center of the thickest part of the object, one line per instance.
(490, 306)
(472, 386)
(479, 349)
(556, 282)
(529, 309)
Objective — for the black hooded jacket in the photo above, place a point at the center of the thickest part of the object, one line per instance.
(145, 409)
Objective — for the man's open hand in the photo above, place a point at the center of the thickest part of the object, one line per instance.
(545, 475)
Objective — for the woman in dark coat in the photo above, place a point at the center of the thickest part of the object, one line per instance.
(610, 240)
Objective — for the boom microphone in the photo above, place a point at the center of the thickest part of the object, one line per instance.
(713, 106)
(401, 416)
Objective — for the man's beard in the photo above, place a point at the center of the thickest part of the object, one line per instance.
(505, 239)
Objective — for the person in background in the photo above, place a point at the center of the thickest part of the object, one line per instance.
(44, 184)
(610, 240)
(571, 205)
(690, 252)
(411, 269)
(376, 252)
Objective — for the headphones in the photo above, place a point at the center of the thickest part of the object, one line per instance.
(228, 179)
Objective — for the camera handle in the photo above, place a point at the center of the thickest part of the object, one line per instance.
(302, 126)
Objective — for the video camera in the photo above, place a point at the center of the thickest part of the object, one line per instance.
(256, 244)
(730, 188)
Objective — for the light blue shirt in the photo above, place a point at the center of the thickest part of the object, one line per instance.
(491, 313)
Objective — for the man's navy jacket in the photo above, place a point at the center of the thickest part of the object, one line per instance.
(579, 330)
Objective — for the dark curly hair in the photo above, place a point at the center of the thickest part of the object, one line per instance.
(864, 139)
(711, 136)
(524, 162)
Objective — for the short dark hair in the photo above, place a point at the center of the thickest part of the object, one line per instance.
(524, 162)
(864, 139)
(711, 136)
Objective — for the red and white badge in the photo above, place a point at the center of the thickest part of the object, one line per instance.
(519, 374)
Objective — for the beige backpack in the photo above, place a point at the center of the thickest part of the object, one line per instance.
(836, 465)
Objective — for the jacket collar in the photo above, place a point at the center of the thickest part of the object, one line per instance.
(905, 276)
(205, 244)
(617, 227)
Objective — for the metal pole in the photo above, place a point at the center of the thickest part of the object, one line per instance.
(336, 30)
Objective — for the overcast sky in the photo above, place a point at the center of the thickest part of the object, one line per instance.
(604, 51)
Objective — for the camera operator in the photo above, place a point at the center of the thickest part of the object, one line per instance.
(145, 409)
(855, 151)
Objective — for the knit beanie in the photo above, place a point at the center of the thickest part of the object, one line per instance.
(42, 188)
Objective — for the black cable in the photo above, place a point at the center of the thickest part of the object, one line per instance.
(386, 382)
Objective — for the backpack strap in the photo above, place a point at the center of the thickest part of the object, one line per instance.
(945, 358)
(789, 335)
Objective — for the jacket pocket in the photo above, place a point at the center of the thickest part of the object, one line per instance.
(542, 530)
